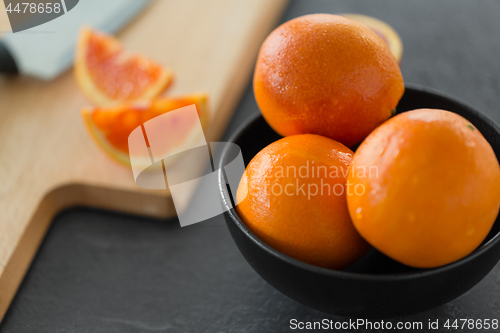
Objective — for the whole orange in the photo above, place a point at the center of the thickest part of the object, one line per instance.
(426, 188)
(292, 196)
(328, 75)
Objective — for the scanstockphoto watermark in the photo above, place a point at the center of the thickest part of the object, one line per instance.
(357, 324)
(311, 180)
(190, 169)
(429, 325)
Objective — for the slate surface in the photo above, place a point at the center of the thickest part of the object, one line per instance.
(105, 272)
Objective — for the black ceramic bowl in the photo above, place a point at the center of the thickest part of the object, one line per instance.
(375, 286)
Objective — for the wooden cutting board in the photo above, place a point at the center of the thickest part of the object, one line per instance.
(47, 160)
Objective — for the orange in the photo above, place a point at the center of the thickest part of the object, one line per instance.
(328, 75)
(292, 196)
(111, 127)
(428, 188)
(108, 75)
(384, 31)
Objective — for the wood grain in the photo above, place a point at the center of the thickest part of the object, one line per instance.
(47, 160)
(4, 20)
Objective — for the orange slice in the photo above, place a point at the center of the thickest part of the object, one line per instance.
(111, 127)
(109, 75)
(383, 30)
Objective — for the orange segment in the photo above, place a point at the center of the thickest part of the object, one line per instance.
(111, 127)
(109, 75)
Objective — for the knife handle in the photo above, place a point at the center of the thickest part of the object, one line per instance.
(7, 62)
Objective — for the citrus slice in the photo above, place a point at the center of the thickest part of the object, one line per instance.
(109, 75)
(111, 127)
(383, 30)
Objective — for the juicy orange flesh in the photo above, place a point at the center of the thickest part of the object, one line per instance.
(109, 66)
(117, 123)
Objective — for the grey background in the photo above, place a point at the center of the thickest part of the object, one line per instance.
(106, 272)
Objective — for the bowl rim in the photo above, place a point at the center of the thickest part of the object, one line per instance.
(419, 273)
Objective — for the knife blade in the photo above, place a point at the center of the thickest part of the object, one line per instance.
(46, 50)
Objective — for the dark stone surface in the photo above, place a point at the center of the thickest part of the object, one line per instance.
(105, 272)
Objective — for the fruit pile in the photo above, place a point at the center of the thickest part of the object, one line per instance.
(125, 90)
(423, 187)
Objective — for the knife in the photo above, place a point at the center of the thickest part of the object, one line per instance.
(46, 50)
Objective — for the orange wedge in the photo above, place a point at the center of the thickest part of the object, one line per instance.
(383, 30)
(109, 75)
(111, 127)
